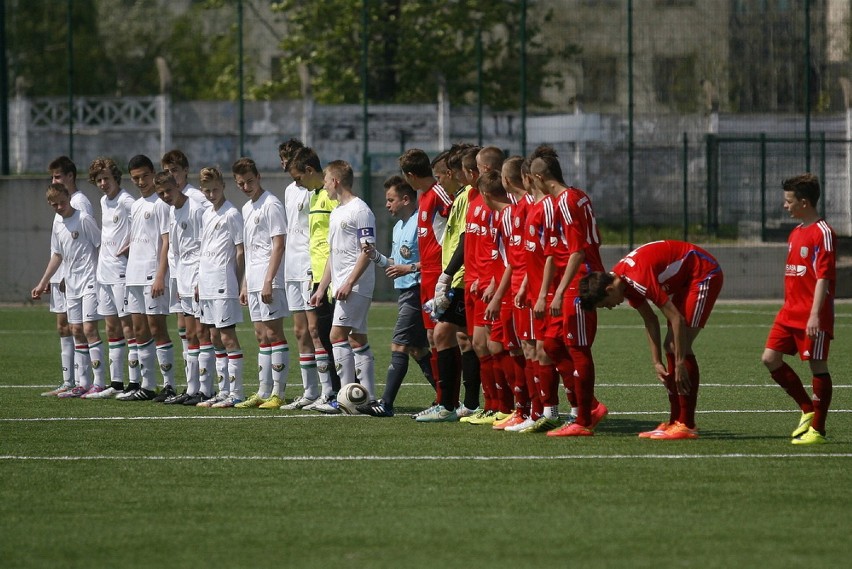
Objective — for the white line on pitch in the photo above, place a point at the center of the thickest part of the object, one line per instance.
(432, 458)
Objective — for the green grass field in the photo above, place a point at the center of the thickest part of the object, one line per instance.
(113, 484)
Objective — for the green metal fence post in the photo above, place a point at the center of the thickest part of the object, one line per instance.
(763, 186)
(823, 182)
(685, 187)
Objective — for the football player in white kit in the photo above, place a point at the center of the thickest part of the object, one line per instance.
(264, 239)
(147, 287)
(185, 241)
(74, 243)
(64, 171)
(116, 204)
(220, 272)
(352, 276)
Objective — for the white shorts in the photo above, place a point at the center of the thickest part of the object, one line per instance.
(221, 312)
(82, 309)
(352, 312)
(175, 306)
(139, 301)
(190, 306)
(112, 300)
(298, 295)
(57, 299)
(259, 311)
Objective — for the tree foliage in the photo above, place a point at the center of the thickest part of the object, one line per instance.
(115, 46)
(413, 47)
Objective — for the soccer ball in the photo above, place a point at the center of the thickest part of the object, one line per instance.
(350, 396)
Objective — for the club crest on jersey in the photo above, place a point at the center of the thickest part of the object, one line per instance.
(218, 225)
(477, 210)
(424, 216)
(183, 225)
(257, 219)
(405, 251)
(147, 215)
(75, 234)
(803, 252)
(532, 230)
(115, 218)
(517, 222)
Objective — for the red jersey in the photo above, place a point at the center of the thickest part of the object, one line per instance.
(477, 250)
(498, 243)
(433, 208)
(659, 270)
(514, 225)
(578, 230)
(539, 216)
(811, 255)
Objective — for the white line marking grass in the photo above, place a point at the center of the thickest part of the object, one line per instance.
(747, 456)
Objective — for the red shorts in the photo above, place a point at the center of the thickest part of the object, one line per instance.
(698, 301)
(523, 320)
(503, 329)
(540, 324)
(479, 307)
(428, 281)
(469, 306)
(579, 326)
(788, 340)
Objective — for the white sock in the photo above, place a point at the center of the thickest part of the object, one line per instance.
(235, 373)
(280, 367)
(310, 378)
(193, 382)
(206, 368)
(132, 361)
(551, 411)
(166, 359)
(322, 371)
(344, 360)
(264, 371)
(117, 355)
(365, 369)
(96, 356)
(82, 365)
(66, 358)
(222, 370)
(148, 364)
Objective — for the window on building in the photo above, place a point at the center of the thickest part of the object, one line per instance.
(675, 82)
(599, 80)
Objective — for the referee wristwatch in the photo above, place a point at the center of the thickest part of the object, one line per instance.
(414, 268)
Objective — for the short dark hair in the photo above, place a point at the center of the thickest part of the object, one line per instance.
(175, 157)
(288, 148)
(304, 157)
(164, 179)
(342, 170)
(592, 289)
(512, 170)
(468, 157)
(244, 166)
(65, 164)
(492, 157)
(401, 187)
(545, 162)
(804, 186)
(416, 161)
(140, 161)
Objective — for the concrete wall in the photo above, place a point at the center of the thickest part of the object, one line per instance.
(752, 271)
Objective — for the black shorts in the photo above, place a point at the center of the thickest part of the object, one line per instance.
(455, 314)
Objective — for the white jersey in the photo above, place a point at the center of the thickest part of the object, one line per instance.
(80, 202)
(115, 236)
(77, 239)
(221, 232)
(193, 194)
(297, 255)
(263, 219)
(149, 221)
(185, 240)
(349, 226)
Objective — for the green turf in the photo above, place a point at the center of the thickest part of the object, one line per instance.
(112, 484)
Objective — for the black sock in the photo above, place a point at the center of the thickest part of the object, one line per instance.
(396, 373)
(448, 374)
(425, 364)
(471, 379)
(117, 385)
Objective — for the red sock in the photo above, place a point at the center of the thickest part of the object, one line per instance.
(585, 383)
(548, 384)
(519, 386)
(433, 361)
(558, 354)
(671, 388)
(533, 379)
(486, 372)
(822, 400)
(688, 403)
(790, 382)
(504, 369)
